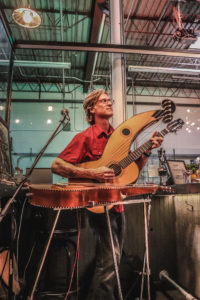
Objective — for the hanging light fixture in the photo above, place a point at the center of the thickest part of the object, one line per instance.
(26, 17)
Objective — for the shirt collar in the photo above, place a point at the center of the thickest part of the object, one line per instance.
(99, 131)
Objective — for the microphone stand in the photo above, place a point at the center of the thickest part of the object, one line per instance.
(4, 211)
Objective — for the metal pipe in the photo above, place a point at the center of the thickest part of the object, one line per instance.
(117, 63)
(63, 59)
(9, 88)
(98, 41)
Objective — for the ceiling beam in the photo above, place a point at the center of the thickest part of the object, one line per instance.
(109, 48)
(90, 60)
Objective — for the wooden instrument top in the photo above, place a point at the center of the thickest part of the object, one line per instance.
(70, 196)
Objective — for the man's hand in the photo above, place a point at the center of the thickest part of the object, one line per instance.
(156, 140)
(103, 174)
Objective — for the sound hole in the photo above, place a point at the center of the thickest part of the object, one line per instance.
(126, 131)
(116, 168)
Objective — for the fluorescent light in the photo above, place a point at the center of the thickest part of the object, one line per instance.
(38, 64)
(17, 121)
(49, 121)
(151, 69)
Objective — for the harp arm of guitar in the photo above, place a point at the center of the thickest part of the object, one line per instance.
(66, 169)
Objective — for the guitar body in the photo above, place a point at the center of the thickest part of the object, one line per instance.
(118, 146)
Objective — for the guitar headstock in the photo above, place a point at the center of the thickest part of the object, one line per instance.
(175, 125)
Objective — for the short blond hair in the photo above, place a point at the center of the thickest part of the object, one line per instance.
(89, 103)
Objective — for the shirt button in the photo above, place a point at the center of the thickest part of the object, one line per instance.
(99, 152)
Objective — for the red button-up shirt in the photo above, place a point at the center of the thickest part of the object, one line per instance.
(88, 145)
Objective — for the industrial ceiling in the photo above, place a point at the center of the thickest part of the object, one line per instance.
(74, 40)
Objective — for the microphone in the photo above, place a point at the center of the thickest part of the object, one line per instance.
(65, 112)
(164, 275)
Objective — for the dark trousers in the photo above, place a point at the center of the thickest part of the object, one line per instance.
(104, 280)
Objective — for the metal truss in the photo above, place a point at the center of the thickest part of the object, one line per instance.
(135, 90)
(164, 92)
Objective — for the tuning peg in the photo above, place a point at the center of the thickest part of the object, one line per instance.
(169, 108)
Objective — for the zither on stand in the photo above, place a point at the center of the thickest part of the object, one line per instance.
(59, 197)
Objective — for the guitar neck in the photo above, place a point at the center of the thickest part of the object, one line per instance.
(133, 156)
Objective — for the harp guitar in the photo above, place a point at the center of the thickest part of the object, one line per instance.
(117, 154)
(118, 148)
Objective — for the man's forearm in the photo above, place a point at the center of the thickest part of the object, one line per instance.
(69, 170)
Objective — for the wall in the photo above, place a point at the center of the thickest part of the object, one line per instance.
(32, 131)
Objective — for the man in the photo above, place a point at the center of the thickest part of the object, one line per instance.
(87, 146)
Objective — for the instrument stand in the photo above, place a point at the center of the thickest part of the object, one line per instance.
(113, 253)
(31, 297)
(146, 268)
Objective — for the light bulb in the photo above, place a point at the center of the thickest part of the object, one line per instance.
(50, 108)
(27, 16)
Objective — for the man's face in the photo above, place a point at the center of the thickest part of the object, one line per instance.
(103, 107)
